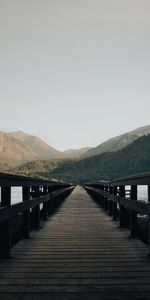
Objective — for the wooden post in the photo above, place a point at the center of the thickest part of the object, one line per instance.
(149, 220)
(121, 207)
(115, 210)
(102, 197)
(36, 209)
(50, 209)
(106, 199)
(5, 226)
(26, 214)
(133, 214)
(55, 200)
(110, 204)
(45, 204)
(97, 196)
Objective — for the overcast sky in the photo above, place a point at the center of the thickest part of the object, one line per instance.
(74, 72)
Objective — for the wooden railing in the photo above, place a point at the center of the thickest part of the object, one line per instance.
(119, 200)
(16, 220)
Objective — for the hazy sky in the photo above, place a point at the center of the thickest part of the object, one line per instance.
(75, 72)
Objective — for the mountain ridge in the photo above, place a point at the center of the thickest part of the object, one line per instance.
(74, 153)
(130, 160)
(17, 148)
(133, 159)
(118, 142)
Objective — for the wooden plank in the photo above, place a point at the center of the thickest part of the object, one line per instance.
(16, 180)
(78, 254)
(138, 206)
(6, 212)
(5, 225)
(133, 213)
(139, 179)
(26, 214)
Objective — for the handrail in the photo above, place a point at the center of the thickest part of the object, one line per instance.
(35, 192)
(122, 204)
(139, 206)
(17, 180)
(13, 210)
(137, 179)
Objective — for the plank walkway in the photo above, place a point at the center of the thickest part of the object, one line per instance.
(78, 254)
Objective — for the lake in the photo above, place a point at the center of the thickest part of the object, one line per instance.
(16, 194)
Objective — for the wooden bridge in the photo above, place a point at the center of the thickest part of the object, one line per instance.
(87, 248)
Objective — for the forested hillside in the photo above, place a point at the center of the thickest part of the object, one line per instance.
(134, 158)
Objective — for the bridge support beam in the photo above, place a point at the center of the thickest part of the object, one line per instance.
(115, 210)
(149, 220)
(122, 216)
(45, 204)
(50, 202)
(133, 214)
(110, 203)
(36, 210)
(26, 214)
(5, 226)
(106, 200)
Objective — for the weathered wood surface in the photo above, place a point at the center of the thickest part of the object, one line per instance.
(79, 254)
(6, 212)
(139, 206)
(16, 180)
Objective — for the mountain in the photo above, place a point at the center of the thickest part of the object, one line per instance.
(132, 159)
(13, 152)
(36, 168)
(19, 147)
(145, 130)
(40, 148)
(118, 142)
(76, 153)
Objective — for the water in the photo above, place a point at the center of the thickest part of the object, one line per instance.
(16, 194)
(142, 192)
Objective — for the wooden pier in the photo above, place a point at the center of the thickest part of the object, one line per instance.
(79, 253)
